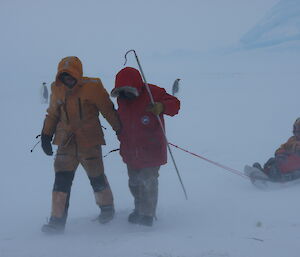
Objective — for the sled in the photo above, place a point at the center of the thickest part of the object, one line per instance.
(260, 180)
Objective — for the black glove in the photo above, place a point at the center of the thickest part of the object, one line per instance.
(46, 144)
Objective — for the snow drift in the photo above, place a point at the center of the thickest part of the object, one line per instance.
(280, 25)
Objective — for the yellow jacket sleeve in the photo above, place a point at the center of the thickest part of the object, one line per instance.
(53, 114)
(106, 107)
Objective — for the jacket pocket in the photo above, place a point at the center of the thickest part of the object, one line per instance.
(62, 136)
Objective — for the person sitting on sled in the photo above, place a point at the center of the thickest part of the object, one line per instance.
(285, 165)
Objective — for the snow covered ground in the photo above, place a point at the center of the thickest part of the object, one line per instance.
(237, 108)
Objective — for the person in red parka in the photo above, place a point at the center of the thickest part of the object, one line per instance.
(142, 142)
(285, 165)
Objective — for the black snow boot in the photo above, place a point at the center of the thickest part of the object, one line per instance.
(134, 217)
(146, 220)
(107, 213)
(54, 226)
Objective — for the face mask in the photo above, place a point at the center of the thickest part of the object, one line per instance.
(126, 95)
(296, 133)
(67, 80)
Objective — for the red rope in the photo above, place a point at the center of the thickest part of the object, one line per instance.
(237, 172)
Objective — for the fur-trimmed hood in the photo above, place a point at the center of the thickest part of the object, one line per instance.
(116, 91)
(128, 79)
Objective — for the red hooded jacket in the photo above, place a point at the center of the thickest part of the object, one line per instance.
(142, 143)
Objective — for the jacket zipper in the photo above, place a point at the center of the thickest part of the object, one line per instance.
(133, 126)
(80, 108)
(65, 109)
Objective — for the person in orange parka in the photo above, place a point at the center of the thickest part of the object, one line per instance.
(286, 163)
(72, 117)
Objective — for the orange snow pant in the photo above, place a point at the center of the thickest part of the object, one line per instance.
(66, 162)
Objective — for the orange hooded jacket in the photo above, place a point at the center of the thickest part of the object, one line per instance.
(292, 146)
(291, 152)
(73, 113)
